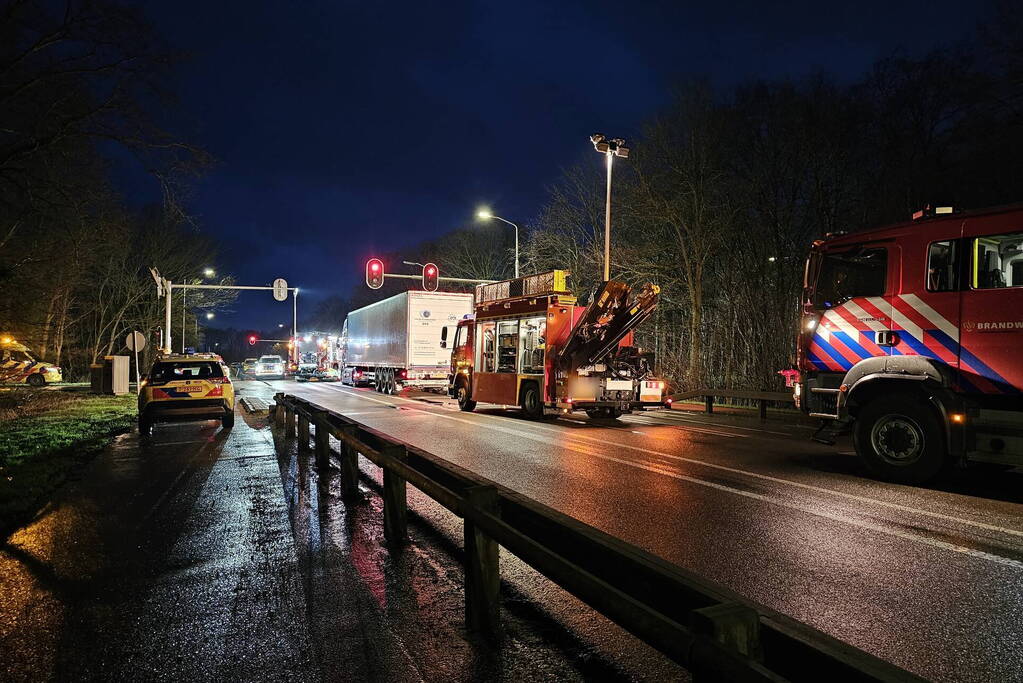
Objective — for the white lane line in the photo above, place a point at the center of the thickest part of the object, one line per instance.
(756, 475)
(868, 526)
(898, 533)
(689, 420)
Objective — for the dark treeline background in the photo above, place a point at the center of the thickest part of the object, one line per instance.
(725, 191)
(82, 92)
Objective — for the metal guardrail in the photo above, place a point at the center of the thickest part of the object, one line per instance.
(761, 397)
(709, 630)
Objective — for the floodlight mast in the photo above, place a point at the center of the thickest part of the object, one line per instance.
(615, 147)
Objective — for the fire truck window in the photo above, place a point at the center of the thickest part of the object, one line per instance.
(532, 332)
(859, 272)
(507, 346)
(485, 333)
(941, 267)
(459, 337)
(996, 261)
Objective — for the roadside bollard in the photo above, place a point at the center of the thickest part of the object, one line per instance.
(395, 500)
(482, 567)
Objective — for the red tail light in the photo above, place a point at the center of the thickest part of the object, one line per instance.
(403, 374)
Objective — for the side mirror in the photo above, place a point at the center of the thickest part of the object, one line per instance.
(444, 337)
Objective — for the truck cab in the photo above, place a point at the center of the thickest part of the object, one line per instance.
(911, 336)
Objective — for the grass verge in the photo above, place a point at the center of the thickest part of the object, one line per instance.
(45, 436)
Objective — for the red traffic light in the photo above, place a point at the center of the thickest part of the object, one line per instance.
(374, 273)
(430, 277)
(252, 340)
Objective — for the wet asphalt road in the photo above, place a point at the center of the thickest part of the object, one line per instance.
(928, 578)
(212, 555)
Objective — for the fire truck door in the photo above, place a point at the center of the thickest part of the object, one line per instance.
(992, 307)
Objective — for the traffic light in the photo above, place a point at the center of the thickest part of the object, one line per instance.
(252, 340)
(374, 273)
(430, 277)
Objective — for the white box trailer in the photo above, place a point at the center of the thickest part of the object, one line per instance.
(396, 343)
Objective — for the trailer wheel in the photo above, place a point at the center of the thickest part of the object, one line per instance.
(462, 394)
(900, 439)
(529, 401)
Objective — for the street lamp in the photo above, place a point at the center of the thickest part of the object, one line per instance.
(209, 272)
(486, 215)
(612, 148)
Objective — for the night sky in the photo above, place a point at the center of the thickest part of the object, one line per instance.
(346, 129)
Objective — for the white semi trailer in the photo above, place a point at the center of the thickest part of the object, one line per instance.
(396, 343)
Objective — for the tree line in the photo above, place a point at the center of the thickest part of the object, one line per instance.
(83, 90)
(726, 189)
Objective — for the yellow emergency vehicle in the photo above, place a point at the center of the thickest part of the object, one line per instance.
(17, 365)
(186, 387)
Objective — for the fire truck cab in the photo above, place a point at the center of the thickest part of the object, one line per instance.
(529, 344)
(912, 337)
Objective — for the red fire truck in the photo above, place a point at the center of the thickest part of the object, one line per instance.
(912, 337)
(529, 344)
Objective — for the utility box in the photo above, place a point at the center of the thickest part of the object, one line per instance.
(115, 375)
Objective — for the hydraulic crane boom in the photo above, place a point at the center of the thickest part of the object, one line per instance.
(611, 315)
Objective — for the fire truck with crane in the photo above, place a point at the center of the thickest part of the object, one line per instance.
(911, 336)
(530, 344)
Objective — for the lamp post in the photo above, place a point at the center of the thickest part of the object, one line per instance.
(484, 214)
(614, 147)
(206, 273)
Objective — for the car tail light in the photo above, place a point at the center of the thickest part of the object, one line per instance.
(403, 374)
(357, 374)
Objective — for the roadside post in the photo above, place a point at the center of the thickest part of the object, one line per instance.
(135, 342)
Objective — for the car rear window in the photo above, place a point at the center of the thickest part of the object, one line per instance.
(168, 372)
(270, 359)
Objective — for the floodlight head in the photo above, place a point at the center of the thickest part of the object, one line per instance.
(623, 152)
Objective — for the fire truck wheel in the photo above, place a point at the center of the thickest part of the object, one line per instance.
(530, 402)
(464, 402)
(35, 380)
(900, 439)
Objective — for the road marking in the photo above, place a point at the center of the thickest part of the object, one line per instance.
(980, 554)
(756, 475)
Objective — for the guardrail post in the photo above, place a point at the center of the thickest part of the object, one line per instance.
(303, 432)
(482, 567)
(322, 442)
(289, 420)
(278, 413)
(395, 500)
(349, 468)
(709, 403)
(735, 626)
(763, 409)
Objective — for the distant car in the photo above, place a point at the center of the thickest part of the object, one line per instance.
(357, 377)
(269, 367)
(186, 387)
(17, 365)
(249, 366)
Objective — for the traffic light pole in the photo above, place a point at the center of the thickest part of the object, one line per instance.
(441, 278)
(166, 288)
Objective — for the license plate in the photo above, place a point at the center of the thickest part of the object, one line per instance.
(191, 388)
